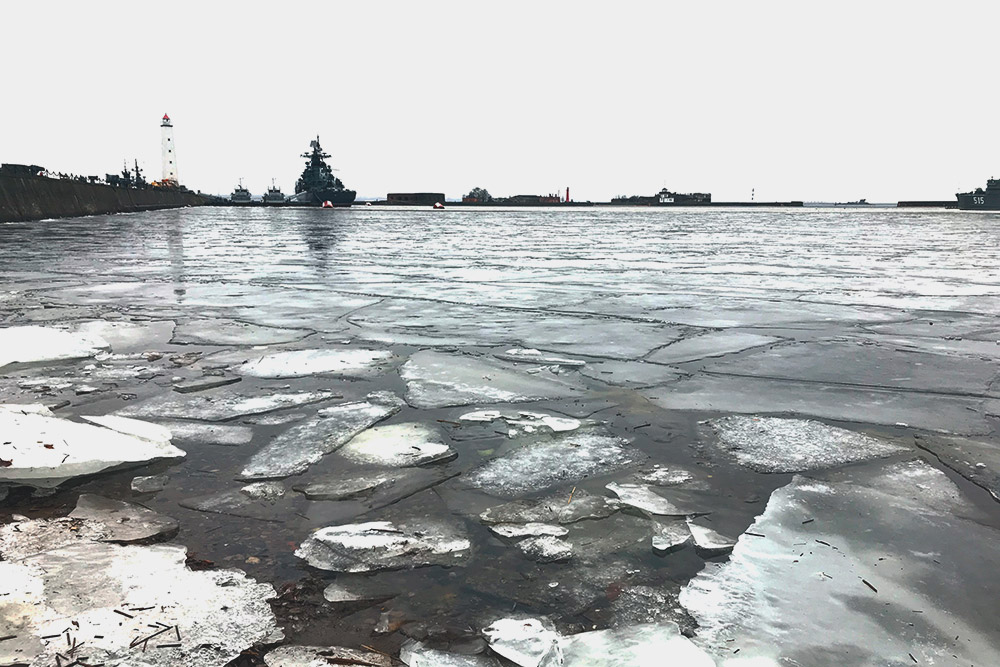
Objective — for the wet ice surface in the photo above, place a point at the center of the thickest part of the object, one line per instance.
(885, 554)
(589, 345)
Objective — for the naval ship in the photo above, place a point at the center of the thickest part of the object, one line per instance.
(981, 200)
(318, 185)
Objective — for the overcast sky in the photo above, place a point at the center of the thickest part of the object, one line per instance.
(830, 101)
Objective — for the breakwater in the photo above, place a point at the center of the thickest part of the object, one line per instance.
(38, 197)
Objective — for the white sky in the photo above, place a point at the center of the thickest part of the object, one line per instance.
(806, 100)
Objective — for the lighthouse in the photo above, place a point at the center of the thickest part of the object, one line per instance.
(168, 150)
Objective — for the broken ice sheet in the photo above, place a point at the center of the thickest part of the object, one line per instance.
(713, 344)
(300, 363)
(886, 565)
(527, 642)
(227, 435)
(150, 484)
(437, 380)
(127, 337)
(124, 522)
(397, 445)
(323, 656)
(530, 529)
(416, 654)
(232, 332)
(35, 345)
(532, 356)
(707, 541)
(669, 537)
(219, 405)
(249, 501)
(294, 450)
(631, 373)
(377, 487)
(546, 549)
(528, 422)
(383, 545)
(646, 645)
(546, 461)
(772, 444)
(46, 451)
(106, 596)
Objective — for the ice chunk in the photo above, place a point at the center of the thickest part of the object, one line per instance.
(714, 344)
(415, 654)
(324, 656)
(202, 433)
(644, 498)
(756, 395)
(707, 541)
(219, 406)
(296, 449)
(382, 545)
(268, 491)
(129, 337)
(631, 373)
(580, 506)
(885, 565)
(204, 382)
(46, 451)
(33, 345)
(25, 409)
(397, 445)
(150, 484)
(546, 549)
(646, 645)
(564, 457)
(123, 522)
(358, 588)
(299, 363)
(670, 537)
(771, 444)
(526, 642)
(105, 597)
(136, 427)
(532, 356)
(665, 476)
(437, 380)
(346, 486)
(530, 529)
(232, 332)
(528, 422)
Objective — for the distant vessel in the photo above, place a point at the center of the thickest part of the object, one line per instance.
(274, 195)
(317, 184)
(981, 200)
(240, 195)
(665, 198)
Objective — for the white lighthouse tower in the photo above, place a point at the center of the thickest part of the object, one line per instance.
(168, 150)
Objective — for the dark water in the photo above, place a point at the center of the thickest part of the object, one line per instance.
(610, 286)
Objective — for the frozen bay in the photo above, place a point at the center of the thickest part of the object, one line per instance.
(736, 346)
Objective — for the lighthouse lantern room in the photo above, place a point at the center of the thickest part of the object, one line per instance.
(168, 150)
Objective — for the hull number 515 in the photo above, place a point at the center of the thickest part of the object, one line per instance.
(979, 201)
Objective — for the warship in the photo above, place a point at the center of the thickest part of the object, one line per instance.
(981, 200)
(317, 184)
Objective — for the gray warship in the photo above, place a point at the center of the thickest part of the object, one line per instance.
(317, 184)
(981, 200)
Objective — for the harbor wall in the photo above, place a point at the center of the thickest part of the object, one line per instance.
(37, 197)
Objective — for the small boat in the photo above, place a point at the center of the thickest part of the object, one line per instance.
(328, 204)
(438, 205)
(274, 195)
(240, 195)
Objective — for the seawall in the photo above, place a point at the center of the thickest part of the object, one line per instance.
(37, 197)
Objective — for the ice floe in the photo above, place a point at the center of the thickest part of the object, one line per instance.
(203, 383)
(708, 541)
(665, 476)
(557, 459)
(416, 654)
(397, 445)
(300, 363)
(227, 435)
(137, 427)
(670, 537)
(324, 656)
(219, 406)
(773, 444)
(123, 522)
(866, 565)
(129, 337)
(437, 380)
(526, 642)
(556, 509)
(230, 332)
(524, 422)
(383, 545)
(644, 498)
(44, 451)
(150, 484)
(371, 484)
(713, 344)
(35, 345)
(533, 356)
(546, 549)
(112, 602)
(294, 450)
(530, 529)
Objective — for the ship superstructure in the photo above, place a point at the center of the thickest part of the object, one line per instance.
(981, 200)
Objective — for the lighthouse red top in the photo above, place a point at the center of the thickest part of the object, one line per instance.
(166, 120)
